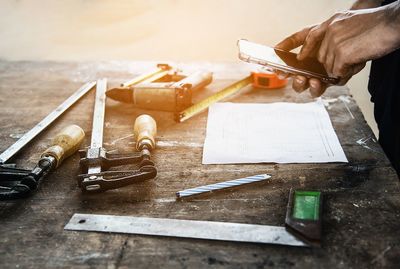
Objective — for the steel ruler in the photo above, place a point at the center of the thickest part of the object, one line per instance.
(210, 230)
(38, 128)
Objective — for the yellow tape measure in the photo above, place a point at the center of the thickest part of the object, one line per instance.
(160, 71)
(204, 104)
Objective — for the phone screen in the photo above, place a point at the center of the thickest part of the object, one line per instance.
(279, 58)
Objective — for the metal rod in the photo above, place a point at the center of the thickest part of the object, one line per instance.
(42, 125)
(221, 185)
(96, 142)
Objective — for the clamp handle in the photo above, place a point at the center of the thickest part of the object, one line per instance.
(18, 183)
(65, 144)
(144, 131)
(108, 180)
(100, 157)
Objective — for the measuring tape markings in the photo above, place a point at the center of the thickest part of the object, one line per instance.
(204, 104)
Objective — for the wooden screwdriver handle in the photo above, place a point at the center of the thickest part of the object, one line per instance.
(145, 130)
(65, 143)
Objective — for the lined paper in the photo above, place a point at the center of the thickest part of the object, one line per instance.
(276, 133)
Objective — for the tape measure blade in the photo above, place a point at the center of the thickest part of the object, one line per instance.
(148, 77)
(205, 103)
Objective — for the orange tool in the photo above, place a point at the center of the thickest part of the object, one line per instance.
(267, 81)
(258, 80)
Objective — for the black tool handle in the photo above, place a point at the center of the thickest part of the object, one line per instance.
(28, 183)
(109, 180)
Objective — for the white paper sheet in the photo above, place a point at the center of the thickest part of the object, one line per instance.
(276, 132)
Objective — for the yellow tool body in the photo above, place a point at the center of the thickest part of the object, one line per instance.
(164, 89)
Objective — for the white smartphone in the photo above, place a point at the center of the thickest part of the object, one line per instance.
(283, 60)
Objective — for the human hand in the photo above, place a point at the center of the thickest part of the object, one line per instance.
(301, 83)
(349, 39)
(345, 42)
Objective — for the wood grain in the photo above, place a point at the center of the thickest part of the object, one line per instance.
(362, 201)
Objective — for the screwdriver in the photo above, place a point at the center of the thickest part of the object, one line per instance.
(63, 145)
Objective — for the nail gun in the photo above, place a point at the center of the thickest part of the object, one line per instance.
(163, 89)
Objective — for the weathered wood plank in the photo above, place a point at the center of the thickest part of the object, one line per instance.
(362, 198)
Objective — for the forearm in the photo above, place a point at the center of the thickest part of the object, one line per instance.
(394, 14)
(393, 22)
(362, 4)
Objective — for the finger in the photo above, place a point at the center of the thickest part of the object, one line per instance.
(317, 88)
(327, 40)
(329, 62)
(344, 80)
(327, 53)
(293, 41)
(281, 74)
(313, 52)
(355, 69)
(322, 51)
(300, 83)
(343, 70)
(340, 68)
(358, 67)
(312, 41)
(347, 61)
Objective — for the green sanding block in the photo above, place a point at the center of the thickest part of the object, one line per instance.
(303, 215)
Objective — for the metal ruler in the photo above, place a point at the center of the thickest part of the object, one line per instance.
(209, 230)
(204, 104)
(38, 128)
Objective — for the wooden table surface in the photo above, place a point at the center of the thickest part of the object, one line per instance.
(361, 213)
